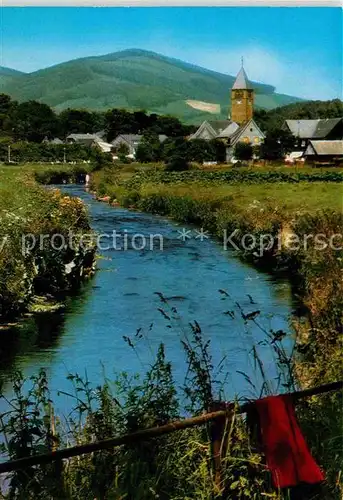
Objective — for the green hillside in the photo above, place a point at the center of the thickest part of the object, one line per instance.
(7, 75)
(134, 79)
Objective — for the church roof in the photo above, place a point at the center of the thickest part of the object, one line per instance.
(242, 81)
(219, 125)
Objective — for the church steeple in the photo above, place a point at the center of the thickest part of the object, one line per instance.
(242, 98)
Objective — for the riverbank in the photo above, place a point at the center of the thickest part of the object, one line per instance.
(177, 466)
(293, 226)
(288, 225)
(44, 252)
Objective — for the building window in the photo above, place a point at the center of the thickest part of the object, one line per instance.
(256, 140)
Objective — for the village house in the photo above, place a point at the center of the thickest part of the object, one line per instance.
(84, 139)
(92, 140)
(132, 142)
(240, 125)
(330, 152)
(305, 131)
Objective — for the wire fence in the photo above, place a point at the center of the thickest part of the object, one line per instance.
(152, 432)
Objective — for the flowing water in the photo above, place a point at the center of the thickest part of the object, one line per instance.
(88, 335)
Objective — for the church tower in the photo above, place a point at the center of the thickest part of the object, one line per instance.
(242, 98)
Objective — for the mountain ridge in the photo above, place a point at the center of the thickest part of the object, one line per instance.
(133, 79)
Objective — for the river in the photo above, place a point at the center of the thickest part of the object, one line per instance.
(88, 335)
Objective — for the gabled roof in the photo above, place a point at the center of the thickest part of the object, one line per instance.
(240, 131)
(135, 139)
(334, 148)
(82, 137)
(315, 129)
(131, 138)
(219, 125)
(104, 146)
(229, 130)
(101, 134)
(242, 81)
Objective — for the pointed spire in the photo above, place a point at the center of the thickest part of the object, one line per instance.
(242, 81)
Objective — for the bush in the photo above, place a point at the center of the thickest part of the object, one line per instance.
(243, 151)
(177, 163)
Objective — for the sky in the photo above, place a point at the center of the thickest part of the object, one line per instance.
(296, 49)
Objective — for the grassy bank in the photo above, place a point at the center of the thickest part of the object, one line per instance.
(284, 211)
(38, 258)
(273, 214)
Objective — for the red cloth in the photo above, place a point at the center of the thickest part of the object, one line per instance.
(288, 457)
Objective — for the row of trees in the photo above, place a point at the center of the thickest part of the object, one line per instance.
(33, 121)
(23, 151)
(151, 149)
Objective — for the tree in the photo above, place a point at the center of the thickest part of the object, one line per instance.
(149, 149)
(219, 149)
(277, 144)
(80, 121)
(243, 151)
(200, 150)
(119, 121)
(122, 151)
(33, 120)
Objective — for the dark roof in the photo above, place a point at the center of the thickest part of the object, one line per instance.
(334, 148)
(82, 137)
(135, 139)
(242, 81)
(312, 129)
(219, 125)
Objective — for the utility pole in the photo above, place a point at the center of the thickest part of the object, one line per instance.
(9, 154)
(64, 155)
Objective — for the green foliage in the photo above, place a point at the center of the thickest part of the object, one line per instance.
(243, 151)
(277, 144)
(233, 176)
(24, 152)
(149, 149)
(176, 466)
(33, 121)
(30, 265)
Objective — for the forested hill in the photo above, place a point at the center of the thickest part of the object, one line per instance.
(135, 79)
(307, 110)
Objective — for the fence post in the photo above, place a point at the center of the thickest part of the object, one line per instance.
(219, 441)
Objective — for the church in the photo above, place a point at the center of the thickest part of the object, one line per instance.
(240, 125)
